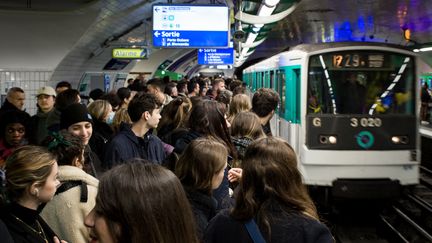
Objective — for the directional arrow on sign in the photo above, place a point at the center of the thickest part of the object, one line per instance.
(157, 34)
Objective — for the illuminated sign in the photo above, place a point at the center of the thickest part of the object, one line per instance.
(215, 56)
(186, 26)
(358, 60)
(129, 53)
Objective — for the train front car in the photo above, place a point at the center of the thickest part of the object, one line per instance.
(360, 135)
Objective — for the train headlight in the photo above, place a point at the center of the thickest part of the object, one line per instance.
(399, 139)
(328, 139)
(332, 139)
(395, 139)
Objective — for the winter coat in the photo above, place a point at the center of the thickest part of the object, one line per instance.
(5, 152)
(38, 130)
(126, 145)
(4, 233)
(286, 227)
(23, 229)
(184, 140)
(6, 107)
(169, 134)
(65, 213)
(203, 207)
(102, 133)
(53, 120)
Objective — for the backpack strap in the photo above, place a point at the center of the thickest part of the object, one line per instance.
(254, 231)
(71, 184)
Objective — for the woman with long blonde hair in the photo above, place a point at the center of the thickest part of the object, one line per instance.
(239, 103)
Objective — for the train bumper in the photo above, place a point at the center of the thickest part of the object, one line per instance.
(366, 189)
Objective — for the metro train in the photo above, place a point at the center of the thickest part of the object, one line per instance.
(350, 112)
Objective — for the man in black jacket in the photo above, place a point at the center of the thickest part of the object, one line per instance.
(15, 98)
(137, 140)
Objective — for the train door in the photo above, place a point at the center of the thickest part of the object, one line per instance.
(271, 79)
(100, 80)
(290, 105)
(266, 81)
(280, 89)
(262, 78)
(254, 81)
(119, 81)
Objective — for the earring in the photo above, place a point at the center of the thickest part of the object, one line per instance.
(36, 192)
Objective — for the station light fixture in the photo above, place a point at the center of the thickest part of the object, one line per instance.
(424, 49)
(271, 3)
(256, 30)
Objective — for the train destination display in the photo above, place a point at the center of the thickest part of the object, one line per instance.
(358, 60)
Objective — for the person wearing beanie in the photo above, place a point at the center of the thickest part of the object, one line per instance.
(38, 124)
(76, 119)
(63, 100)
(13, 128)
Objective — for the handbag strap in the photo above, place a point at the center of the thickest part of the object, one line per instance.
(254, 231)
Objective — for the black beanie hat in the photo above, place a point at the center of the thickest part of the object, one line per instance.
(73, 114)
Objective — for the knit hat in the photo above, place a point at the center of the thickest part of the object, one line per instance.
(73, 114)
(47, 90)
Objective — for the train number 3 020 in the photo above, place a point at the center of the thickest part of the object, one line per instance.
(366, 122)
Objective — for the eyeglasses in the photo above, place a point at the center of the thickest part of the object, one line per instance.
(19, 130)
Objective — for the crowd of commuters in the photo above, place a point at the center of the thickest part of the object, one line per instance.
(156, 161)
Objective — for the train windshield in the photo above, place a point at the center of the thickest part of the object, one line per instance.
(361, 82)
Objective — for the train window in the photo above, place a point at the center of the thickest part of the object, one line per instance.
(361, 82)
(271, 79)
(116, 64)
(261, 85)
(281, 90)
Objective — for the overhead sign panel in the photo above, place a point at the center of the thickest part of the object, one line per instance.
(129, 53)
(190, 26)
(215, 56)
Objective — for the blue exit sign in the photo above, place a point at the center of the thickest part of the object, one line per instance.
(215, 56)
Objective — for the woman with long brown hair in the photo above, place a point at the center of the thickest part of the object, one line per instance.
(201, 170)
(172, 125)
(271, 197)
(141, 202)
(208, 119)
